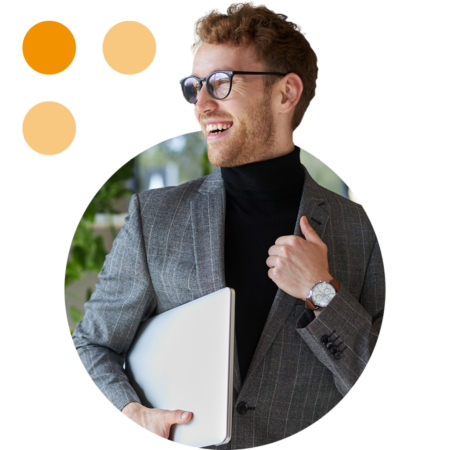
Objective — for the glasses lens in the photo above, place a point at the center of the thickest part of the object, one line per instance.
(190, 89)
(219, 85)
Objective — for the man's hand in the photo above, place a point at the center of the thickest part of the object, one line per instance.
(297, 264)
(157, 421)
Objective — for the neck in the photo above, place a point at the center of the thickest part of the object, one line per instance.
(265, 176)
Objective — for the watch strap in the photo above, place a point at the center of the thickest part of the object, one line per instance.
(335, 283)
(310, 305)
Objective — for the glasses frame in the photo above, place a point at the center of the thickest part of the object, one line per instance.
(229, 73)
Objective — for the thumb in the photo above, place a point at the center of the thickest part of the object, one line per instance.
(308, 231)
(178, 416)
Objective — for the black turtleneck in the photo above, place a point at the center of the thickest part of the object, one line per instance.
(262, 204)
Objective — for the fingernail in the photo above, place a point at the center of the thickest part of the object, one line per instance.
(306, 219)
(184, 415)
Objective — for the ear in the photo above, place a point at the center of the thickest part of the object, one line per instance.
(291, 88)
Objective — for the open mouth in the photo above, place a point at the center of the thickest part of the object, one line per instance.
(218, 128)
(215, 133)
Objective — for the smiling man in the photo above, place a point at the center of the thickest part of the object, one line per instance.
(259, 117)
(304, 262)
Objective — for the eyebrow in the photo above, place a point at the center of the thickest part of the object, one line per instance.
(217, 70)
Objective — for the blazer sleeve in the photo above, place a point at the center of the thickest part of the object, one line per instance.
(347, 327)
(123, 298)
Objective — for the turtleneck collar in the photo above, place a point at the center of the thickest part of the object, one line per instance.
(265, 176)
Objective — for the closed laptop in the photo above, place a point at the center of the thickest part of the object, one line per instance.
(183, 359)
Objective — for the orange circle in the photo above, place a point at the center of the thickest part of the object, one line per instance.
(49, 47)
(49, 128)
(129, 47)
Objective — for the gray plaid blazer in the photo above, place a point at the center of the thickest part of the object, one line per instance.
(171, 251)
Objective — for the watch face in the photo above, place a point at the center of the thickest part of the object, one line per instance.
(323, 293)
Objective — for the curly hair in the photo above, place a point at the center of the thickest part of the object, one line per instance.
(278, 43)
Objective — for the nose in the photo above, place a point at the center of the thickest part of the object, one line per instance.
(205, 103)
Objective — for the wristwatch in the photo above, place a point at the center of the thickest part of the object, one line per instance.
(321, 294)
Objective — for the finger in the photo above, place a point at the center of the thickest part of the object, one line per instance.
(308, 231)
(178, 416)
(284, 240)
(271, 261)
(187, 416)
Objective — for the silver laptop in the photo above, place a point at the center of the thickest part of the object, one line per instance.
(183, 359)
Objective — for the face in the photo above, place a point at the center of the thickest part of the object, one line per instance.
(247, 110)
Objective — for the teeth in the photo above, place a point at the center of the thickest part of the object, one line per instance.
(218, 126)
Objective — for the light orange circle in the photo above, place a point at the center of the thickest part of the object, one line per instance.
(129, 47)
(49, 128)
(49, 47)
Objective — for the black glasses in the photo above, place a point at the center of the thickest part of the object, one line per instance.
(218, 84)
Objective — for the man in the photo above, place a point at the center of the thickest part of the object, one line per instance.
(261, 225)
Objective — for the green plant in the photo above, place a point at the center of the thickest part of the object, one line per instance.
(87, 253)
(206, 165)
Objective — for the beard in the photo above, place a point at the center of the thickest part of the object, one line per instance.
(250, 140)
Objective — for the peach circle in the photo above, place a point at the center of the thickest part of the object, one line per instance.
(49, 47)
(49, 128)
(129, 47)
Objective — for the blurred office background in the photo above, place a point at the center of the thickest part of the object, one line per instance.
(169, 163)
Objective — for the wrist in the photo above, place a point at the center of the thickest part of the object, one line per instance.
(131, 408)
(325, 277)
(318, 311)
(321, 294)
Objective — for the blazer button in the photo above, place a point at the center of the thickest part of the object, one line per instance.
(242, 408)
(333, 350)
(338, 355)
(324, 339)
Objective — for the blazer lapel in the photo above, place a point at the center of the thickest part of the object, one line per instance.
(283, 303)
(208, 227)
(312, 198)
